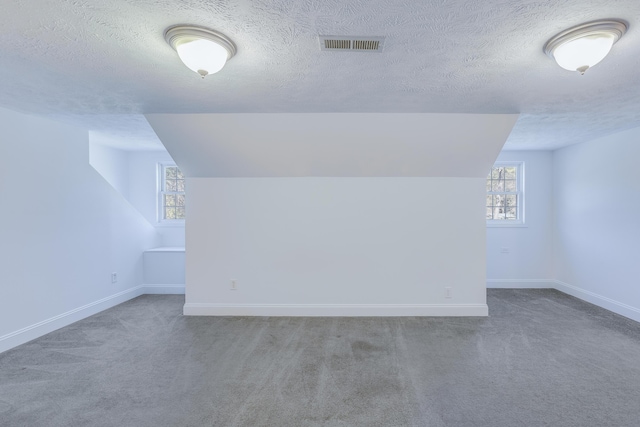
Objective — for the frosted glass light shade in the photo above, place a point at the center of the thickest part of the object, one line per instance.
(580, 48)
(202, 56)
(200, 49)
(584, 52)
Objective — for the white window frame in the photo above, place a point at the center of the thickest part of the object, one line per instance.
(160, 198)
(520, 191)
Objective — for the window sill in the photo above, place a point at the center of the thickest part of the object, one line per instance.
(166, 249)
(176, 223)
(506, 225)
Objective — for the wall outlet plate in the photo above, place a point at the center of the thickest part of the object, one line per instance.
(114, 277)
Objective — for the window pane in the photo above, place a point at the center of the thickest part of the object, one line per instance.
(510, 172)
(504, 193)
(497, 185)
(170, 172)
(172, 195)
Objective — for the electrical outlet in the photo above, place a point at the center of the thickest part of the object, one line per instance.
(447, 292)
(234, 285)
(504, 250)
(114, 277)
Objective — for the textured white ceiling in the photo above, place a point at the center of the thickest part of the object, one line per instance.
(102, 64)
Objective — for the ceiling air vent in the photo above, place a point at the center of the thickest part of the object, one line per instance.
(351, 43)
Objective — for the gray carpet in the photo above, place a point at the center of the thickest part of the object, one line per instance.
(541, 359)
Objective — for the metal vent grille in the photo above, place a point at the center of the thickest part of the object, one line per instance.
(366, 44)
(337, 44)
(351, 43)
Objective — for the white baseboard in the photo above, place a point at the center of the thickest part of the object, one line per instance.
(34, 331)
(521, 283)
(332, 310)
(39, 329)
(599, 300)
(591, 297)
(177, 289)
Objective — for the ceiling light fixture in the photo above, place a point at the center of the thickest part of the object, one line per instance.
(581, 47)
(200, 49)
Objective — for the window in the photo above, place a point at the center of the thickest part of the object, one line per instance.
(171, 196)
(505, 194)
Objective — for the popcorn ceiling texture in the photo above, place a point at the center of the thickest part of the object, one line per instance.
(103, 64)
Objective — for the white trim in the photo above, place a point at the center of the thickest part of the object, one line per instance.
(521, 284)
(588, 296)
(166, 249)
(599, 300)
(44, 327)
(177, 289)
(171, 223)
(332, 310)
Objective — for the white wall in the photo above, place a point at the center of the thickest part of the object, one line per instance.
(112, 164)
(333, 144)
(349, 239)
(597, 221)
(143, 190)
(64, 231)
(336, 246)
(529, 261)
(164, 270)
(134, 174)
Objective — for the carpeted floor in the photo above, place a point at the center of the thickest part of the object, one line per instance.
(541, 359)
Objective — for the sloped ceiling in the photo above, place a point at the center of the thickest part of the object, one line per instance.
(351, 145)
(104, 64)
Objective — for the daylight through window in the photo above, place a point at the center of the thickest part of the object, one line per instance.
(504, 193)
(172, 195)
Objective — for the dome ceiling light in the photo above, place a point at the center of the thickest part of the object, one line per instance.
(581, 47)
(200, 49)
